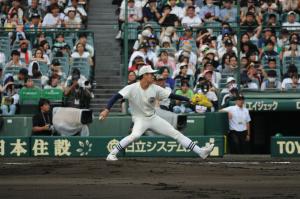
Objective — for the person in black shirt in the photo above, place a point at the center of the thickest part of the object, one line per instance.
(42, 122)
(167, 18)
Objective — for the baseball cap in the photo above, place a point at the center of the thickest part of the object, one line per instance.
(230, 79)
(291, 13)
(146, 69)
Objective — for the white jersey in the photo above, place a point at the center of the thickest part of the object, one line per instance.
(142, 102)
(240, 118)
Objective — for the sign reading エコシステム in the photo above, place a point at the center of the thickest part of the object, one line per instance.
(285, 147)
(100, 146)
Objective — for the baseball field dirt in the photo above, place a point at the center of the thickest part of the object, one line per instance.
(72, 178)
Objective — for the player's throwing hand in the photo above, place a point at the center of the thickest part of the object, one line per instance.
(103, 114)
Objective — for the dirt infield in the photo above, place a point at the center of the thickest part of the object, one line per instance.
(228, 177)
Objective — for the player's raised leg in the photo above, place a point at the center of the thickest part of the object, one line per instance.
(139, 127)
(161, 126)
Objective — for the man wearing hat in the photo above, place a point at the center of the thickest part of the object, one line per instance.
(291, 23)
(34, 8)
(142, 96)
(227, 48)
(187, 48)
(239, 125)
(142, 52)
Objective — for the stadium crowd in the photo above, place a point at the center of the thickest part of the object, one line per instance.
(43, 49)
(204, 49)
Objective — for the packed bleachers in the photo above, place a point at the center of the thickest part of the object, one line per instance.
(45, 52)
(215, 49)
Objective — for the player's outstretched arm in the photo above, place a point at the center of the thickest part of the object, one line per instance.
(179, 97)
(110, 103)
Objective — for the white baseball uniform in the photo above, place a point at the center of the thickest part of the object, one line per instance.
(142, 104)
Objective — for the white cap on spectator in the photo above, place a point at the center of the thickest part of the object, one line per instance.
(230, 79)
(204, 47)
(146, 33)
(291, 13)
(166, 40)
(210, 51)
(146, 69)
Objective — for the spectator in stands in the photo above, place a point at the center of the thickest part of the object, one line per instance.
(34, 70)
(144, 36)
(60, 45)
(80, 12)
(283, 39)
(289, 5)
(25, 53)
(291, 23)
(170, 33)
(10, 96)
(54, 19)
(33, 9)
(168, 19)
(44, 45)
(54, 83)
(42, 121)
(137, 63)
(15, 60)
(56, 70)
(269, 6)
(165, 72)
(293, 50)
(77, 89)
(228, 48)
(188, 3)
(228, 32)
(176, 10)
(82, 53)
(71, 21)
(21, 76)
(295, 82)
(232, 67)
(292, 70)
(83, 39)
(247, 48)
(150, 11)
(230, 83)
(34, 23)
(228, 13)
(271, 21)
(206, 88)
(271, 63)
(269, 51)
(209, 12)
(16, 9)
(244, 63)
(161, 81)
(2, 58)
(251, 7)
(183, 74)
(165, 60)
(239, 125)
(132, 77)
(271, 81)
(186, 50)
(191, 19)
(187, 37)
(52, 3)
(250, 20)
(29, 83)
(40, 57)
(142, 52)
(251, 78)
(187, 92)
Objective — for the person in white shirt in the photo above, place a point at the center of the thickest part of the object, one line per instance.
(191, 19)
(142, 98)
(176, 10)
(2, 58)
(71, 21)
(80, 11)
(53, 19)
(239, 126)
(291, 23)
(81, 53)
